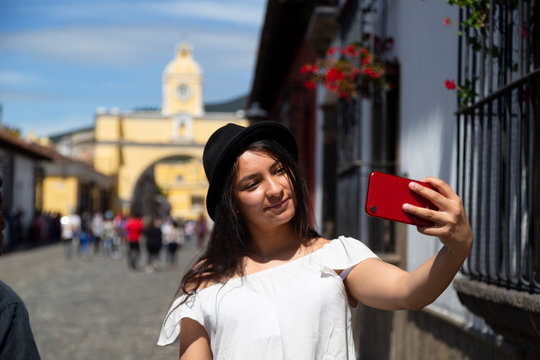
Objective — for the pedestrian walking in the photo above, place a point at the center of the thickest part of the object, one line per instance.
(268, 286)
(66, 235)
(85, 234)
(97, 231)
(201, 229)
(111, 240)
(76, 224)
(189, 231)
(134, 229)
(120, 225)
(154, 242)
(173, 240)
(55, 228)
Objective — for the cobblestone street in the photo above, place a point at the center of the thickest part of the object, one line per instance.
(93, 308)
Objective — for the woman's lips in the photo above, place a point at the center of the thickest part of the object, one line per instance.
(278, 205)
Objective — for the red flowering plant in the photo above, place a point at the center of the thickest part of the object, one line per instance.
(474, 22)
(349, 75)
(465, 91)
(474, 27)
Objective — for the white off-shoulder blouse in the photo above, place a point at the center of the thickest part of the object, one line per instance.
(296, 310)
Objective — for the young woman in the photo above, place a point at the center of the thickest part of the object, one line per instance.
(268, 286)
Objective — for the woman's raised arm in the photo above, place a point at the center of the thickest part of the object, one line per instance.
(384, 286)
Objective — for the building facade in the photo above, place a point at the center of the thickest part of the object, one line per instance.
(21, 176)
(483, 142)
(161, 148)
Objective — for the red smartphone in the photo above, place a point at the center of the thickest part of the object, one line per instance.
(387, 194)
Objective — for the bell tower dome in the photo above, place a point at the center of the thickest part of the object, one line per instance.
(182, 84)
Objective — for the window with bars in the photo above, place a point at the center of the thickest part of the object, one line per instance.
(367, 132)
(498, 143)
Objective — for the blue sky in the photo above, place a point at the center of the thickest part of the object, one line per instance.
(62, 59)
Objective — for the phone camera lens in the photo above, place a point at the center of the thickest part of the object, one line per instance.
(373, 209)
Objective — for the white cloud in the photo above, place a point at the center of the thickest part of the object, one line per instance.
(95, 45)
(239, 12)
(124, 46)
(16, 78)
(243, 12)
(230, 51)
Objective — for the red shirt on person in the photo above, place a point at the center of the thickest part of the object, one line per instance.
(134, 228)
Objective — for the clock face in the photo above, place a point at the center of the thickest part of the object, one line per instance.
(183, 92)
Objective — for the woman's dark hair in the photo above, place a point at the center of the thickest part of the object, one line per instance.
(230, 235)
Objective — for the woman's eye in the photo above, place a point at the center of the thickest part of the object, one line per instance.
(280, 170)
(250, 185)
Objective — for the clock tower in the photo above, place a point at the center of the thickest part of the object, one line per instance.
(182, 85)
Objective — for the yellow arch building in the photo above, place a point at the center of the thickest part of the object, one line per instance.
(170, 142)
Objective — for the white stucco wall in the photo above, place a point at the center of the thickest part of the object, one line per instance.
(427, 52)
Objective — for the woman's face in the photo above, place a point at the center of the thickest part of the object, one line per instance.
(262, 191)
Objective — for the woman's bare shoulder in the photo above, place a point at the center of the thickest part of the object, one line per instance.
(199, 280)
(318, 243)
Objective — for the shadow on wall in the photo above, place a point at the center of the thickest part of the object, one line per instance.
(431, 337)
(374, 331)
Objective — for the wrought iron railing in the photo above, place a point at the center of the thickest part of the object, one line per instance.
(499, 144)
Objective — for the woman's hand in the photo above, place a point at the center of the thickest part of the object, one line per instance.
(384, 286)
(451, 225)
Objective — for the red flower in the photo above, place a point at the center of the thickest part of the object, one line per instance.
(334, 75)
(367, 71)
(366, 59)
(447, 21)
(450, 84)
(371, 72)
(306, 68)
(310, 85)
(378, 73)
(351, 51)
(344, 74)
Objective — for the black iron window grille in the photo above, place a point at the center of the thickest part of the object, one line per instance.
(498, 157)
(366, 132)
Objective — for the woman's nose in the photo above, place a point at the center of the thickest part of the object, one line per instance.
(274, 188)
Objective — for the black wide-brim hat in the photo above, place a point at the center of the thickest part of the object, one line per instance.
(228, 142)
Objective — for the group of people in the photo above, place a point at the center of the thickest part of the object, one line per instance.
(86, 231)
(158, 234)
(43, 229)
(108, 232)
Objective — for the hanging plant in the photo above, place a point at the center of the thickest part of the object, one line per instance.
(348, 71)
